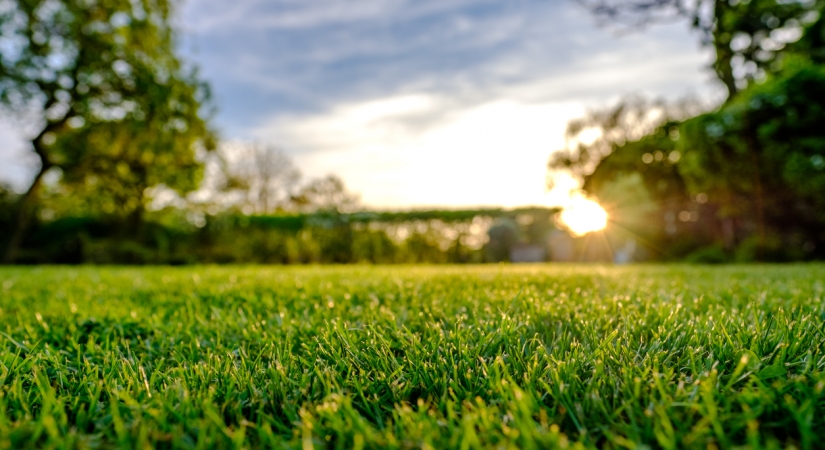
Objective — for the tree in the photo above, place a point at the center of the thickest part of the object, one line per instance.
(749, 175)
(763, 155)
(327, 194)
(631, 167)
(747, 36)
(591, 139)
(255, 178)
(728, 166)
(262, 179)
(115, 106)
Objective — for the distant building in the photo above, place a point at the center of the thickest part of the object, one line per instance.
(523, 253)
(626, 253)
(562, 246)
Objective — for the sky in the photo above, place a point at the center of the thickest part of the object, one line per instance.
(418, 103)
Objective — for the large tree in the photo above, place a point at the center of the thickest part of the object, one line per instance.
(114, 109)
(750, 175)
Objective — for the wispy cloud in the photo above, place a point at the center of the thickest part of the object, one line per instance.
(218, 16)
(335, 52)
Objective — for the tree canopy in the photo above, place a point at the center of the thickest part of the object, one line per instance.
(116, 109)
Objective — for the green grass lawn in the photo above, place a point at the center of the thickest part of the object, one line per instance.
(412, 357)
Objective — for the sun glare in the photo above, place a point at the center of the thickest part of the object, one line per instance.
(582, 216)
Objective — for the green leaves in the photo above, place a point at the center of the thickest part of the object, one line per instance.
(121, 113)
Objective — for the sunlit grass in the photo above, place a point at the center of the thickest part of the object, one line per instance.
(412, 357)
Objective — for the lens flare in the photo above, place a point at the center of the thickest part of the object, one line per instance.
(582, 215)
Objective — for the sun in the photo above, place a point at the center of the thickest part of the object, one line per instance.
(582, 215)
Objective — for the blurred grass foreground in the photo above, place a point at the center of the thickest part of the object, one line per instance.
(533, 356)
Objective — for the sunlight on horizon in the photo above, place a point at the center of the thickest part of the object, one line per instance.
(582, 216)
(424, 151)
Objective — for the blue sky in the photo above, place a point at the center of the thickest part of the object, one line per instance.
(418, 102)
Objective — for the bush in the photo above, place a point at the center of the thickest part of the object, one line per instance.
(769, 249)
(714, 254)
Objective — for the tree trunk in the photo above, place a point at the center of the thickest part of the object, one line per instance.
(134, 226)
(22, 214)
(723, 65)
(753, 146)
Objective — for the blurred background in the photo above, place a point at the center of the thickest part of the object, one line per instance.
(399, 131)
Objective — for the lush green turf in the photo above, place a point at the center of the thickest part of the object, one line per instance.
(494, 356)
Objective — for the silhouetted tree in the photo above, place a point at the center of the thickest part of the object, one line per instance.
(256, 178)
(601, 132)
(325, 194)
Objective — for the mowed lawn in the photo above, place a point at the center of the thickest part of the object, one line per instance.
(496, 356)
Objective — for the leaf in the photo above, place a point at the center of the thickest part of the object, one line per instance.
(772, 371)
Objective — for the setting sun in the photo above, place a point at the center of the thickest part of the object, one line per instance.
(582, 216)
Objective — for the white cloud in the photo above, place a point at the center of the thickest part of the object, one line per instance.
(493, 153)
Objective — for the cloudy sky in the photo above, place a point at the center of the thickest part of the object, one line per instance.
(419, 102)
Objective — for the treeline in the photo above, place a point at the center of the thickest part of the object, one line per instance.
(169, 237)
(742, 181)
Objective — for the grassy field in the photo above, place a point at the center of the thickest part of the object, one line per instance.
(412, 357)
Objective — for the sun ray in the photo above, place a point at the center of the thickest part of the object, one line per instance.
(619, 227)
(606, 242)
